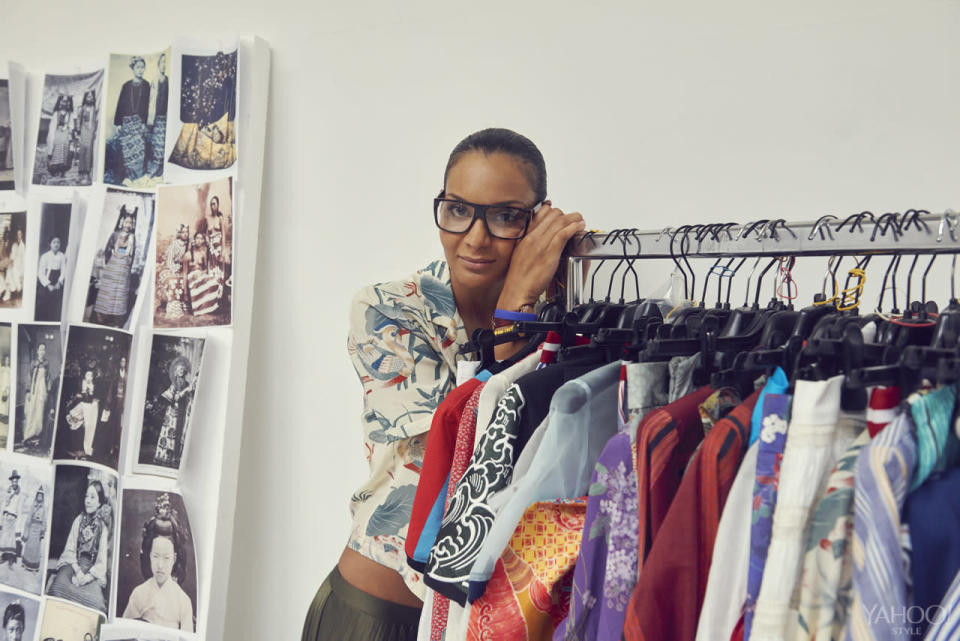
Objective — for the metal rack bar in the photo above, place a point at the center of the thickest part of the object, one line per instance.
(911, 232)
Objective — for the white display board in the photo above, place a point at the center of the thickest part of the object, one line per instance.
(208, 468)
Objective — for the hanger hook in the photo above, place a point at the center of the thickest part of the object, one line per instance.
(883, 223)
(856, 221)
(823, 223)
(883, 285)
(676, 261)
(948, 220)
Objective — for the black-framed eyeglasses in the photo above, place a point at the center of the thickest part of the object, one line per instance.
(458, 216)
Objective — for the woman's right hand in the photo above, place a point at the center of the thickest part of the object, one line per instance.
(537, 255)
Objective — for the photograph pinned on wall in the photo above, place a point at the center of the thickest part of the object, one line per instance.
(92, 395)
(203, 123)
(128, 631)
(7, 143)
(63, 621)
(80, 558)
(66, 152)
(13, 259)
(157, 568)
(20, 617)
(122, 245)
(54, 268)
(24, 518)
(136, 123)
(6, 382)
(172, 380)
(194, 255)
(39, 353)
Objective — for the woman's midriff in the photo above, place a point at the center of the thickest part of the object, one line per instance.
(376, 580)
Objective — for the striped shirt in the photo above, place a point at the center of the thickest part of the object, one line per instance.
(946, 619)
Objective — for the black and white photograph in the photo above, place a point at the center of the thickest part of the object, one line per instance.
(68, 622)
(53, 268)
(172, 378)
(20, 616)
(80, 561)
(157, 570)
(39, 361)
(137, 93)
(6, 383)
(24, 518)
(6, 137)
(123, 240)
(207, 136)
(67, 136)
(13, 256)
(194, 259)
(92, 395)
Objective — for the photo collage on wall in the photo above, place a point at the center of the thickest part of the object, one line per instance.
(116, 264)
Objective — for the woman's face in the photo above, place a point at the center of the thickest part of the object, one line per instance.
(127, 225)
(180, 371)
(92, 500)
(162, 558)
(41, 350)
(14, 630)
(138, 68)
(19, 236)
(198, 240)
(162, 64)
(478, 260)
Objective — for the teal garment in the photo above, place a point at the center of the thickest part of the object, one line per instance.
(931, 412)
(776, 384)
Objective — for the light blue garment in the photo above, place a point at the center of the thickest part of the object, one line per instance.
(931, 414)
(582, 418)
(776, 384)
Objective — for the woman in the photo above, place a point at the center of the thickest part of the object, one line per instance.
(130, 118)
(171, 277)
(14, 621)
(161, 89)
(86, 129)
(106, 443)
(113, 291)
(35, 403)
(83, 411)
(82, 567)
(9, 519)
(59, 136)
(34, 533)
(176, 401)
(14, 276)
(5, 394)
(160, 599)
(504, 261)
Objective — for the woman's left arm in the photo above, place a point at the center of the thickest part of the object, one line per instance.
(99, 569)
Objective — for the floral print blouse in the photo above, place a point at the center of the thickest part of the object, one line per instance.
(403, 342)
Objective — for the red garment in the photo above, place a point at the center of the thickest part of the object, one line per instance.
(666, 439)
(436, 462)
(462, 451)
(667, 599)
(883, 403)
(737, 634)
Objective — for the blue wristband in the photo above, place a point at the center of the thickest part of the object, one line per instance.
(514, 316)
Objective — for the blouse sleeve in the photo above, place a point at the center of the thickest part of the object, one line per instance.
(69, 555)
(99, 569)
(186, 612)
(398, 356)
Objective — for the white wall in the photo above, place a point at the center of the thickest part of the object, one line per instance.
(648, 113)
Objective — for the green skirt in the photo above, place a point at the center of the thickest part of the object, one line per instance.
(341, 612)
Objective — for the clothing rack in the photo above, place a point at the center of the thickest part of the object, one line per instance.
(910, 232)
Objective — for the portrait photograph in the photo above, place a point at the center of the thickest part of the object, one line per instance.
(92, 395)
(207, 136)
(157, 570)
(80, 558)
(39, 361)
(123, 241)
(53, 268)
(24, 519)
(194, 283)
(20, 617)
(137, 94)
(65, 621)
(69, 122)
(172, 378)
(13, 257)
(6, 137)
(6, 383)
